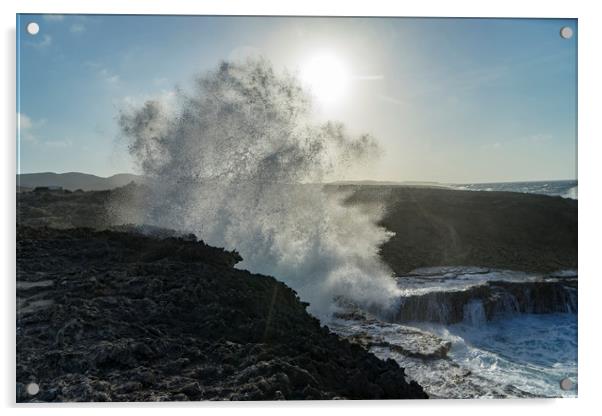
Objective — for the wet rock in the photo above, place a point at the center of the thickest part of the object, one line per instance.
(497, 297)
(415, 343)
(423, 356)
(409, 341)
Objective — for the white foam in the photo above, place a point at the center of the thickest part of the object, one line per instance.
(508, 357)
(571, 193)
(530, 352)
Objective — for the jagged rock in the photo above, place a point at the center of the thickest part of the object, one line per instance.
(130, 317)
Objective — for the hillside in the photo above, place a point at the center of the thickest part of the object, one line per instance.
(75, 180)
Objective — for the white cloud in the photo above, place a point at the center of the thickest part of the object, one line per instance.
(23, 122)
(46, 41)
(53, 17)
(43, 43)
(104, 73)
(111, 78)
(77, 28)
(25, 127)
(28, 137)
(28, 128)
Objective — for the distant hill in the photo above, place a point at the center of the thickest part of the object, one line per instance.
(75, 180)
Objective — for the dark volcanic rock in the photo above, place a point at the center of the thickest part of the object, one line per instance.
(503, 230)
(113, 316)
(432, 226)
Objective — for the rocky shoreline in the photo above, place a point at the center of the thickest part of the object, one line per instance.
(116, 316)
(108, 312)
(447, 318)
(432, 226)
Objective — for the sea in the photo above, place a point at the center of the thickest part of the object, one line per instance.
(562, 188)
(512, 355)
(515, 353)
(531, 352)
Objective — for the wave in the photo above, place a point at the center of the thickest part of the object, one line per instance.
(530, 352)
(571, 193)
(565, 188)
(232, 160)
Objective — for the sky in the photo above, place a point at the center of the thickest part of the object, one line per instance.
(449, 100)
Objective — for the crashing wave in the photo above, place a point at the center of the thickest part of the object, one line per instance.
(235, 161)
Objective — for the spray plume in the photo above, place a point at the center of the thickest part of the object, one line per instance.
(238, 161)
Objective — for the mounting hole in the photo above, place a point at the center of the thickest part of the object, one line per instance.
(566, 384)
(33, 389)
(566, 32)
(33, 28)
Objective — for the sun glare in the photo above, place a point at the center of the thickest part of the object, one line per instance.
(326, 76)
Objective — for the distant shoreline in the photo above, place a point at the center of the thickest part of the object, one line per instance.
(433, 226)
(90, 182)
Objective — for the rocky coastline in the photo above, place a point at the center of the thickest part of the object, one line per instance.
(109, 312)
(117, 316)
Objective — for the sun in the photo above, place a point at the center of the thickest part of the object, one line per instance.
(326, 76)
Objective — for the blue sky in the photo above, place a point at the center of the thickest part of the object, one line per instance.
(450, 100)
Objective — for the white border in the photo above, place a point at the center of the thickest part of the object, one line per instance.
(590, 347)
(464, 8)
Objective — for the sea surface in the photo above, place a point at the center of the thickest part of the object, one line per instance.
(565, 188)
(532, 352)
(512, 355)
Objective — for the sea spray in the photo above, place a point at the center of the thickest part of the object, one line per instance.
(238, 161)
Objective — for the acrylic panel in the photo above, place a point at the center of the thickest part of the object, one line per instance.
(295, 208)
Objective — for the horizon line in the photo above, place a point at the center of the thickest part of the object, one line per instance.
(342, 181)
